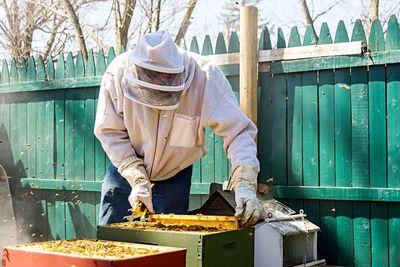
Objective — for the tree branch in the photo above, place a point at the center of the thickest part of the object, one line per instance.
(326, 11)
(306, 15)
(49, 8)
(307, 20)
(53, 34)
(77, 27)
(150, 16)
(158, 11)
(128, 12)
(185, 21)
(389, 14)
(123, 24)
(374, 10)
(95, 38)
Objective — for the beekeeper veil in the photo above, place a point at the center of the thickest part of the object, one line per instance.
(155, 72)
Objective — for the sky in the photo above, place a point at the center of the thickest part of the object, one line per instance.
(286, 14)
(278, 13)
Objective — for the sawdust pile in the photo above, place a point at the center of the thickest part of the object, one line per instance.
(92, 248)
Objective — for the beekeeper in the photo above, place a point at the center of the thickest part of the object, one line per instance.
(154, 105)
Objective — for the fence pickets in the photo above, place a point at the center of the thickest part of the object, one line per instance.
(319, 127)
(377, 139)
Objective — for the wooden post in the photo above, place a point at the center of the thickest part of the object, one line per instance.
(248, 61)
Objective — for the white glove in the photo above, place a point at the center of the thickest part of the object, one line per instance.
(141, 192)
(132, 169)
(248, 207)
(244, 182)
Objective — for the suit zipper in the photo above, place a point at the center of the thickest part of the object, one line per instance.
(155, 146)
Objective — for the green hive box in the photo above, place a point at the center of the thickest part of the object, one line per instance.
(227, 248)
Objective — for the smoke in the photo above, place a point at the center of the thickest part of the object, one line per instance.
(8, 233)
(19, 219)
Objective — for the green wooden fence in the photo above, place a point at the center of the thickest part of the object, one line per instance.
(329, 135)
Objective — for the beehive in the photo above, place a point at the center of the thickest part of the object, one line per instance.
(91, 253)
(206, 245)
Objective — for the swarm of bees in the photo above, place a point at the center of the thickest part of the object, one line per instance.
(92, 248)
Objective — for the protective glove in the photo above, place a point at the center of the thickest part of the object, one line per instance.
(141, 192)
(248, 207)
(132, 169)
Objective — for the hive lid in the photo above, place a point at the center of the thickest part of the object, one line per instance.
(291, 227)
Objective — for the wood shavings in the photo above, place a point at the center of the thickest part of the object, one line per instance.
(166, 227)
(92, 248)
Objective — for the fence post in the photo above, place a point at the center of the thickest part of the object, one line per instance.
(248, 61)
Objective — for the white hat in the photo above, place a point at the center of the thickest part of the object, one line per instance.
(154, 73)
(157, 51)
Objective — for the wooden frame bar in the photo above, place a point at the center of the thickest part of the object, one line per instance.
(294, 53)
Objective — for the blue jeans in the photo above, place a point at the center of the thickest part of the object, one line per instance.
(169, 196)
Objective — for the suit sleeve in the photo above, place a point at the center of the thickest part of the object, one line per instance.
(109, 125)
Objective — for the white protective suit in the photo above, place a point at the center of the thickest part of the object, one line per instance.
(157, 144)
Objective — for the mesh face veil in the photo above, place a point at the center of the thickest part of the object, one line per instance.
(159, 78)
(154, 89)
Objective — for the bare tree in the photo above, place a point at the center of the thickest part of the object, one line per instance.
(230, 17)
(185, 21)
(122, 21)
(48, 27)
(306, 15)
(53, 34)
(154, 15)
(373, 14)
(81, 31)
(49, 20)
(77, 27)
(18, 26)
(374, 10)
(158, 13)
